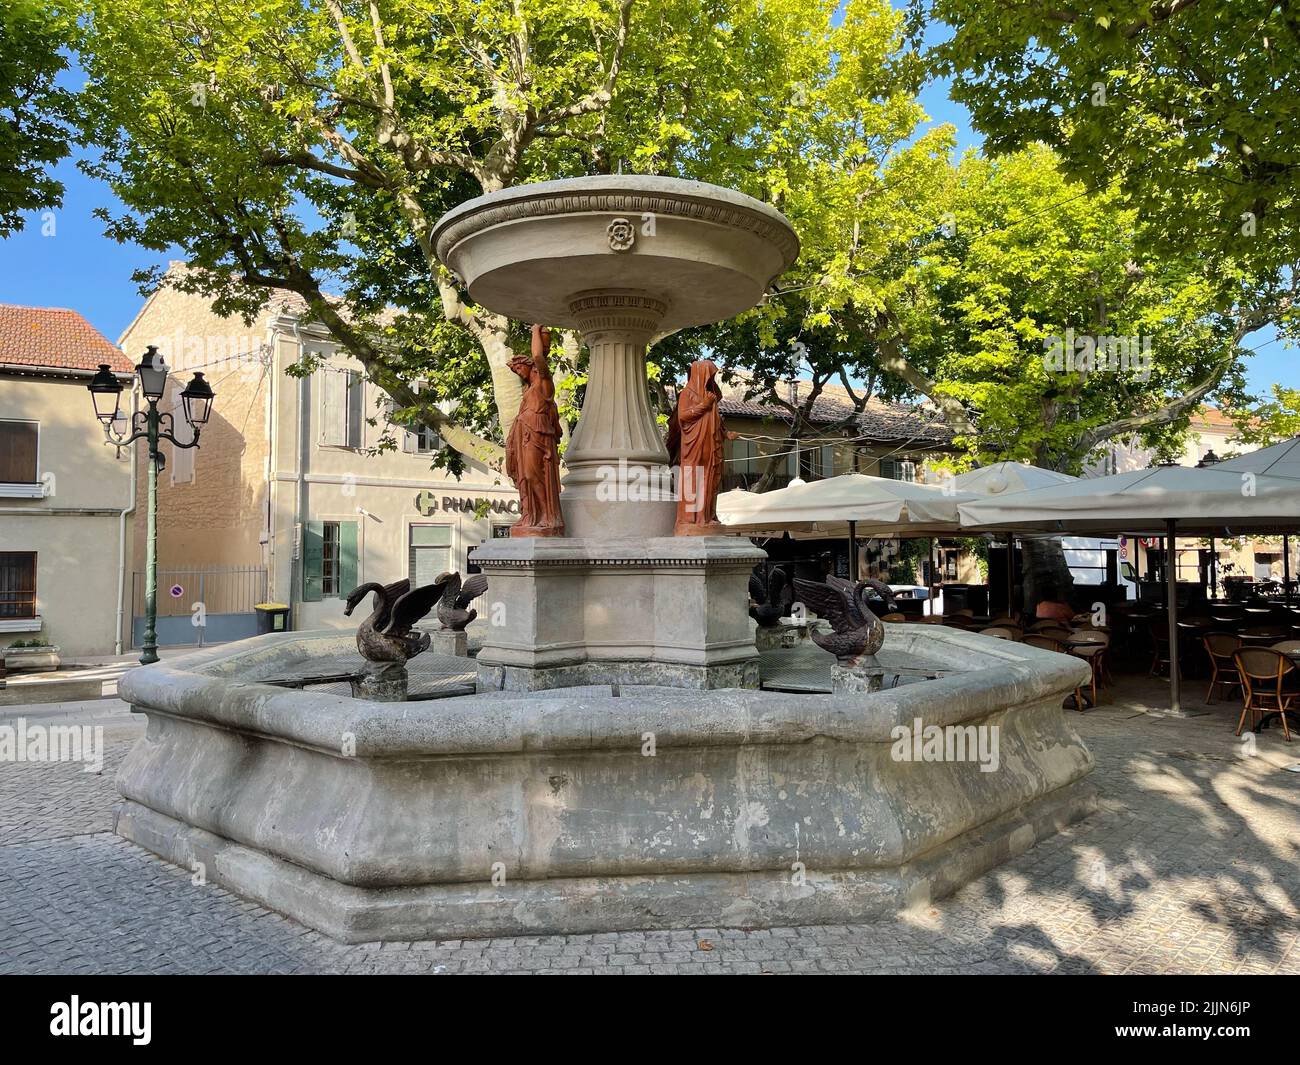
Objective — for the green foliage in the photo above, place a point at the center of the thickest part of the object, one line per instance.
(1271, 421)
(1033, 255)
(1193, 107)
(311, 146)
(34, 111)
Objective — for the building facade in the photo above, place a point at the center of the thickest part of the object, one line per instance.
(65, 494)
(288, 499)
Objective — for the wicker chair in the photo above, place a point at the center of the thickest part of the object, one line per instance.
(1220, 647)
(1264, 673)
(1047, 643)
(1093, 645)
(1002, 632)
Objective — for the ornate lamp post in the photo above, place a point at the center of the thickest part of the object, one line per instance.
(106, 392)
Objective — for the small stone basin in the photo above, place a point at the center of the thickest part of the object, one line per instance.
(707, 253)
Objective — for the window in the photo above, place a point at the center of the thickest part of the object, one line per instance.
(341, 408)
(18, 452)
(329, 566)
(430, 553)
(329, 560)
(422, 441)
(17, 584)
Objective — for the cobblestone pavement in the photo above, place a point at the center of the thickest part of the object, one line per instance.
(1192, 865)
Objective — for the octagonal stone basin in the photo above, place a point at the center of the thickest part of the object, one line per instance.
(580, 809)
(707, 253)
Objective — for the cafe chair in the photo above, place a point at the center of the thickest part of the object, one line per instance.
(1220, 647)
(1264, 635)
(1092, 645)
(1037, 639)
(1158, 630)
(1057, 632)
(1264, 673)
(1002, 632)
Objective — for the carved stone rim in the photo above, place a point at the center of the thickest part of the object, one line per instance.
(618, 194)
(615, 301)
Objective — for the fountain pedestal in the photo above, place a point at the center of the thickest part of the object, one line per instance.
(619, 259)
(666, 610)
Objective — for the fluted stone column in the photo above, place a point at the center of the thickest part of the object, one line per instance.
(618, 484)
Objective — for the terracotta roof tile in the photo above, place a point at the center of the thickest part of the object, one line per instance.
(880, 421)
(54, 338)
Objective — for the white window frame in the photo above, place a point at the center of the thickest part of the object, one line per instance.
(22, 489)
(423, 441)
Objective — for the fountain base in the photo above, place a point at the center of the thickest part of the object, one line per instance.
(555, 812)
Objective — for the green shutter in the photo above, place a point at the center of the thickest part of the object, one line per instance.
(313, 556)
(347, 557)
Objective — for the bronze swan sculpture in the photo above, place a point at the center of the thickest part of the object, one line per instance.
(453, 607)
(856, 633)
(386, 636)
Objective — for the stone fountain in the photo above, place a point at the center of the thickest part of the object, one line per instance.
(620, 259)
(592, 782)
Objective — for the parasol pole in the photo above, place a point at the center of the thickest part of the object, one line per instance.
(1171, 584)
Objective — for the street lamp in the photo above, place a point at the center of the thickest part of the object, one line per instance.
(196, 401)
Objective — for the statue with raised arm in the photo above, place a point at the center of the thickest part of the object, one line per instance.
(695, 437)
(532, 448)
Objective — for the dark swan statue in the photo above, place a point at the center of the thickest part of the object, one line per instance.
(453, 607)
(771, 598)
(856, 632)
(386, 635)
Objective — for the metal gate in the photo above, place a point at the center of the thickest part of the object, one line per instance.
(200, 606)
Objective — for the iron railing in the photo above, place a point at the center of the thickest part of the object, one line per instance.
(223, 590)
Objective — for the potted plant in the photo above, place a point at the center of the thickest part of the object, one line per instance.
(30, 655)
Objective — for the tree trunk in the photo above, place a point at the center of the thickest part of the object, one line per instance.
(507, 388)
(1044, 573)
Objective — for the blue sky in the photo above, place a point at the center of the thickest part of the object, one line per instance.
(78, 267)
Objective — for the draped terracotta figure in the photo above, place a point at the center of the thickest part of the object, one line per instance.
(695, 437)
(532, 448)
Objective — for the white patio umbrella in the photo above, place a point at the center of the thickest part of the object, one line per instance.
(1280, 460)
(1166, 500)
(850, 505)
(877, 506)
(1003, 478)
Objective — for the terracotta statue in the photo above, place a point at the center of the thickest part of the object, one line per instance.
(532, 448)
(695, 437)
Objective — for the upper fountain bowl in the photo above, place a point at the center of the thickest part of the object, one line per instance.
(706, 252)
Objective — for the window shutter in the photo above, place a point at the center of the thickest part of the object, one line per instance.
(331, 407)
(355, 413)
(347, 557)
(889, 468)
(18, 453)
(313, 559)
(408, 442)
